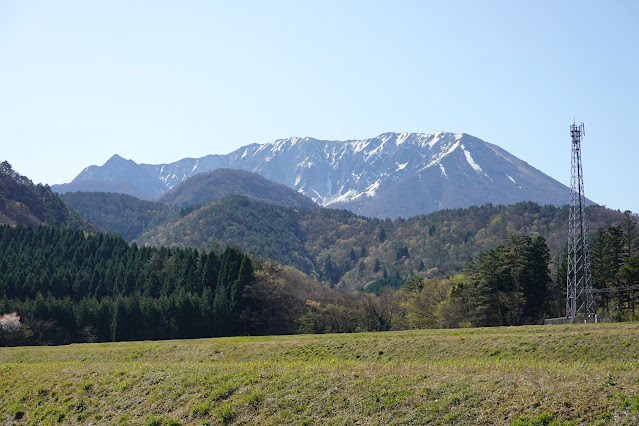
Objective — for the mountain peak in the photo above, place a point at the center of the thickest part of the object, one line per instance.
(116, 159)
(391, 175)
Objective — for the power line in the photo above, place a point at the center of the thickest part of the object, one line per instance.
(614, 289)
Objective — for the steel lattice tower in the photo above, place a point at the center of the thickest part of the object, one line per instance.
(579, 298)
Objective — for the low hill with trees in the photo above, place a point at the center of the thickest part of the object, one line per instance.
(206, 187)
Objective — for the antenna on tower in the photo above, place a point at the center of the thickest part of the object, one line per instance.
(579, 296)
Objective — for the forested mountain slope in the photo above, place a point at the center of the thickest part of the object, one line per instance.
(206, 187)
(343, 248)
(121, 213)
(23, 202)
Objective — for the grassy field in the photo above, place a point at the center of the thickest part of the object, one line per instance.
(535, 375)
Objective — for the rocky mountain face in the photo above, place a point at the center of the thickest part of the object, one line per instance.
(391, 175)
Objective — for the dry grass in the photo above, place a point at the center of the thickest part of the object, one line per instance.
(582, 374)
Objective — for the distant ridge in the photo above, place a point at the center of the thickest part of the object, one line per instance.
(391, 175)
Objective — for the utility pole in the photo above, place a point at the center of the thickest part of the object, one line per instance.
(579, 296)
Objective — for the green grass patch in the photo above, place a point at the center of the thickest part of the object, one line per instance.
(225, 413)
(534, 375)
(201, 409)
(254, 399)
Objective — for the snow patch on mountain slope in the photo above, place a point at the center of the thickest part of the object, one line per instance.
(376, 151)
(295, 140)
(470, 160)
(306, 164)
(349, 195)
(401, 138)
(434, 140)
(359, 146)
(386, 137)
(372, 189)
(317, 198)
(441, 155)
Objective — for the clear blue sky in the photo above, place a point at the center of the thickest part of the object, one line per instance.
(158, 81)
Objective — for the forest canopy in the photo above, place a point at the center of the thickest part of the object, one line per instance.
(95, 287)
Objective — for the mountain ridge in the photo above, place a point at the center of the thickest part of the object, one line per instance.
(391, 175)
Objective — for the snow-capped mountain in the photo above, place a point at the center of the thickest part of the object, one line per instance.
(391, 175)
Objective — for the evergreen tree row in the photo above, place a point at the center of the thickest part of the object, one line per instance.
(102, 288)
(615, 265)
(509, 285)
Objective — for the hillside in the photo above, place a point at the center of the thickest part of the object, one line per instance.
(206, 187)
(532, 375)
(23, 202)
(120, 213)
(388, 176)
(352, 251)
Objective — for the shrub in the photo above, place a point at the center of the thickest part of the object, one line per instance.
(226, 413)
(10, 323)
(543, 419)
(222, 392)
(200, 409)
(154, 421)
(254, 399)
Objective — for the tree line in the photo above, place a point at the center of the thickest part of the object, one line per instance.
(69, 286)
(74, 286)
(615, 262)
